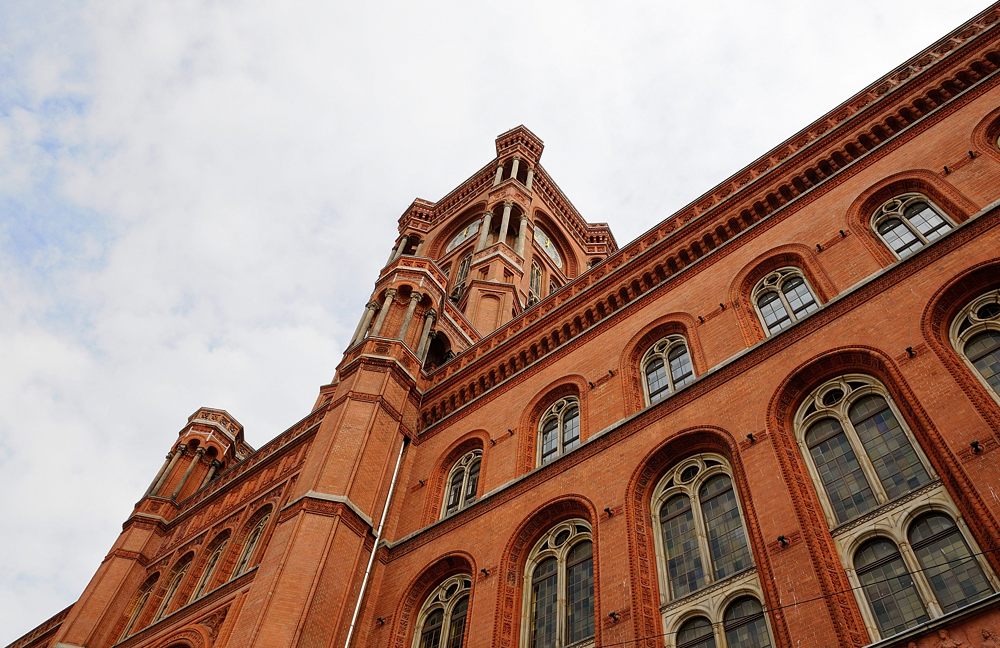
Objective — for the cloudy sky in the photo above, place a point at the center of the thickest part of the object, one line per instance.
(195, 197)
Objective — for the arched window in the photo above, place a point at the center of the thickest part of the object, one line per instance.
(559, 588)
(216, 550)
(244, 562)
(141, 598)
(559, 429)
(442, 618)
(463, 482)
(702, 540)
(461, 274)
(535, 283)
(666, 367)
(908, 222)
(858, 448)
(782, 298)
(908, 579)
(730, 622)
(176, 576)
(744, 624)
(975, 333)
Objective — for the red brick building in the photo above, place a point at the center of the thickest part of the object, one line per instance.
(771, 420)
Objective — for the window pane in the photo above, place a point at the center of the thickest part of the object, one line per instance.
(543, 604)
(839, 470)
(680, 366)
(745, 625)
(888, 447)
(680, 542)
(696, 633)
(954, 575)
(456, 628)
(773, 311)
(455, 491)
(571, 428)
(983, 350)
(726, 540)
(550, 440)
(899, 237)
(430, 635)
(656, 379)
(472, 483)
(888, 587)
(580, 593)
(927, 221)
(799, 298)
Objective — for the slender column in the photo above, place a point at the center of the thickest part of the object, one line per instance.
(212, 467)
(405, 328)
(521, 233)
(484, 230)
(505, 222)
(159, 475)
(398, 252)
(531, 176)
(514, 167)
(425, 335)
(198, 454)
(386, 303)
(499, 175)
(366, 319)
(178, 453)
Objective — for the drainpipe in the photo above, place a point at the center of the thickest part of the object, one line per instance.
(378, 537)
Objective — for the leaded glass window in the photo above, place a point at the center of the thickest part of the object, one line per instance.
(782, 298)
(559, 429)
(955, 577)
(696, 633)
(176, 576)
(666, 367)
(443, 616)
(463, 482)
(744, 624)
(246, 556)
(888, 587)
(908, 222)
(217, 547)
(975, 333)
(141, 598)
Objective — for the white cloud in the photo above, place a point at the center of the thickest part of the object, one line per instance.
(195, 197)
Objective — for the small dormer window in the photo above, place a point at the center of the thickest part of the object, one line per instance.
(544, 242)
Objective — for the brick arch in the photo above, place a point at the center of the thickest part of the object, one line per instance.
(841, 605)
(477, 439)
(942, 193)
(642, 555)
(682, 324)
(434, 245)
(527, 427)
(190, 637)
(793, 255)
(984, 135)
(419, 589)
(935, 322)
(507, 623)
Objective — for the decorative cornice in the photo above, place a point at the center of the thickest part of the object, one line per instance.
(317, 503)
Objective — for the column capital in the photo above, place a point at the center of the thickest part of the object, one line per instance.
(430, 314)
(508, 204)
(200, 452)
(415, 296)
(216, 464)
(182, 448)
(371, 305)
(390, 292)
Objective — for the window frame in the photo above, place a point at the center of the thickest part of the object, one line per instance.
(959, 338)
(712, 604)
(773, 282)
(439, 599)
(464, 463)
(557, 411)
(544, 548)
(896, 207)
(253, 538)
(662, 349)
(218, 550)
(177, 576)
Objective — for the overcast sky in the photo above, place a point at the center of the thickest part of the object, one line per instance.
(195, 197)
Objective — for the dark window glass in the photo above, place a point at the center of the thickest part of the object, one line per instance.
(571, 428)
(773, 311)
(580, 593)
(727, 542)
(456, 628)
(799, 298)
(888, 447)
(681, 369)
(745, 625)
(455, 491)
(656, 379)
(430, 635)
(543, 604)
(472, 482)
(888, 587)
(680, 541)
(954, 575)
(839, 470)
(983, 350)
(550, 440)
(696, 633)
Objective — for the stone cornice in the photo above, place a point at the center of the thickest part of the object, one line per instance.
(318, 503)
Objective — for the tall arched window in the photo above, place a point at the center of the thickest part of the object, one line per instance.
(253, 538)
(535, 283)
(559, 429)
(666, 367)
(176, 576)
(908, 222)
(858, 448)
(216, 549)
(442, 618)
(461, 274)
(463, 482)
(782, 298)
(701, 540)
(139, 604)
(918, 572)
(975, 333)
(559, 588)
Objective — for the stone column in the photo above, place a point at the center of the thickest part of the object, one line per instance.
(359, 333)
(178, 453)
(386, 303)
(505, 222)
(531, 177)
(522, 232)
(484, 230)
(398, 252)
(215, 465)
(425, 335)
(405, 328)
(198, 454)
(499, 175)
(514, 167)
(159, 475)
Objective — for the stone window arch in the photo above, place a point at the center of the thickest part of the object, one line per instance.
(906, 574)
(559, 429)
(443, 617)
(701, 537)
(666, 367)
(138, 605)
(782, 298)
(975, 334)
(558, 605)
(858, 448)
(177, 575)
(462, 485)
(908, 222)
(216, 549)
(245, 561)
